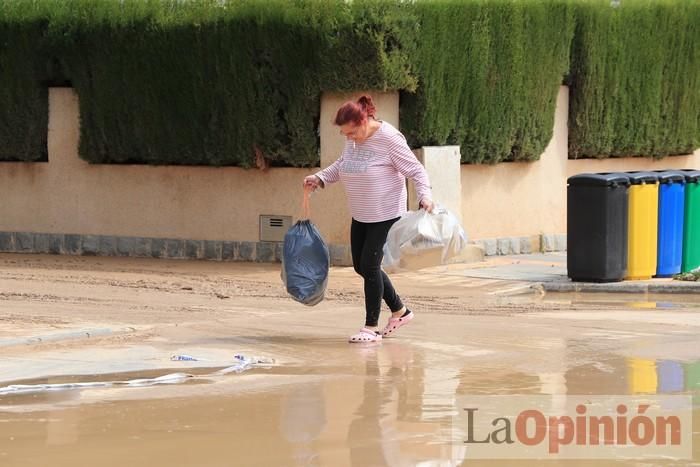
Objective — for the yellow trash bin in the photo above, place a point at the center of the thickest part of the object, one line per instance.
(642, 225)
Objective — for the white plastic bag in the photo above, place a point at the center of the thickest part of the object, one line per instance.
(421, 239)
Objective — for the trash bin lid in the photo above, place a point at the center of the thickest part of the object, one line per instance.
(601, 179)
(637, 178)
(691, 175)
(670, 176)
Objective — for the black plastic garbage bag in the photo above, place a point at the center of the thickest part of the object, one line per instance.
(305, 263)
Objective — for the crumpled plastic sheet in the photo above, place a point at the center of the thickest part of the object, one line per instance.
(423, 239)
(242, 364)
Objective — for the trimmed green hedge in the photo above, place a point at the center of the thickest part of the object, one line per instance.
(489, 75)
(635, 81)
(216, 82)
(23, 93)
(208, 81)
(212, 83)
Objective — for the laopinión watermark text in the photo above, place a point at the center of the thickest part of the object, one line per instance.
(573, 427)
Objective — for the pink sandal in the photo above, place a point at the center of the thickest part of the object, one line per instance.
(395, 323)
(366, 335)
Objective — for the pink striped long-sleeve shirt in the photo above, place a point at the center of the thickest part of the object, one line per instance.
(374, 175)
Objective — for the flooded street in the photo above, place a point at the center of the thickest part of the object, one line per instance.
(322, 401)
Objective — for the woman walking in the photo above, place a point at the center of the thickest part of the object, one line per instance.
(373, 168)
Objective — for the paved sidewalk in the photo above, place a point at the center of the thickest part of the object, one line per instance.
(548, 271)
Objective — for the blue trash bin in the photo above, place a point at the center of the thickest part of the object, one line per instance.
(671, 213)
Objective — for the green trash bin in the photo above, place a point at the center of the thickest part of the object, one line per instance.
(691, 224)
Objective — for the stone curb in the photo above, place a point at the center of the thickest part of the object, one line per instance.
(223, 250)
(621, 287)
(146, 247)
(522, 245)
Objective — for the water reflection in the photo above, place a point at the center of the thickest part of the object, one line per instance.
(407, 405)
(622, 301)
(613, 374)
(388, 405)
(364, 433)
(671, 376)
(641, 376)
(302, 419)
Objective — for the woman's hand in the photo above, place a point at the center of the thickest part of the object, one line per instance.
(313, 182)
(427, 204)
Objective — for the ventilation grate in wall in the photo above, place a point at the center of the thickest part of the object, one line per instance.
(273, 228)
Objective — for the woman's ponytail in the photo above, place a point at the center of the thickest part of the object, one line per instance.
(367, 105)
(356, 112)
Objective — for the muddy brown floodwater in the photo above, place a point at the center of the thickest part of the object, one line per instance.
(74, 320)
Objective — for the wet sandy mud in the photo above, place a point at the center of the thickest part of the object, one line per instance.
(322, 401)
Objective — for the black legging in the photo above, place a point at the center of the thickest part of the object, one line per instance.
(367, 243)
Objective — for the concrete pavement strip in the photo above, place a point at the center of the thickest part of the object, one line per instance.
(650, 286)
(547, 272)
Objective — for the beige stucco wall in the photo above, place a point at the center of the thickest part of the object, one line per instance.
(68, 195)
(529, 198)
(519, 198)
(630, 164)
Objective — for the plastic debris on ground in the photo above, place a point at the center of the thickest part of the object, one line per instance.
(242, 363)
(187, 358)
(691, 276)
